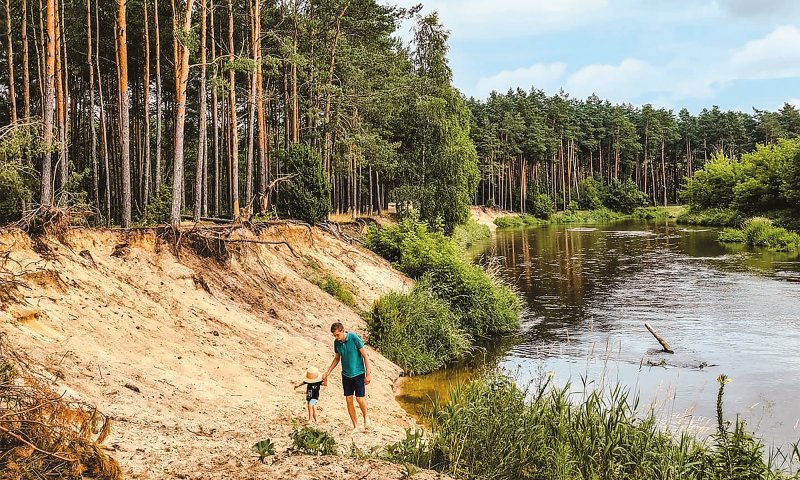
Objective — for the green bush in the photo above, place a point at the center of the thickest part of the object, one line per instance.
(600, 215)
(517, 221)
(760, 232)
(417, 331)
(264, 448)
(14, 192)
(624, 197)
(711, 186)
(470, 233)
(540, 206)
(307, 196)
(591, 192)
(483, 304)
(313, 441)
(160, 207)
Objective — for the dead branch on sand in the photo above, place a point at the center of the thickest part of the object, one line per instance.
(42, 435)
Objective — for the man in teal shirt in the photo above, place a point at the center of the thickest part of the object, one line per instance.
(349, 349)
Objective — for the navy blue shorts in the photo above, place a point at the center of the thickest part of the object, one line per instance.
(353, 385)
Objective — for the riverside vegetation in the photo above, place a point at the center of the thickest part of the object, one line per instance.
(759, 193)
(453, 303)
(491, 429)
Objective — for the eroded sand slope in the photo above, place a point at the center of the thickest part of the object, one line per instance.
(211, 347)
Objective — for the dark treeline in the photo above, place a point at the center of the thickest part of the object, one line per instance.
(152, 108)
(531, 143)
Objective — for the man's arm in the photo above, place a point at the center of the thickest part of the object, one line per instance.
(363, 352)
(333, 365)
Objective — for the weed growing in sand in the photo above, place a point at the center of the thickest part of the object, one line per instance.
(335, 288)
(313, 441)
(264, 449)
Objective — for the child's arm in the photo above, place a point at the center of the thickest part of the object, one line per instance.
(298, 385)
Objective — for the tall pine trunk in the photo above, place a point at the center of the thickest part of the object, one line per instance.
(157, 174)
(12, 99)
(181, 79)
(48, 102)
(146, 99)
(124, 113)
(202, 149)
(234, 158)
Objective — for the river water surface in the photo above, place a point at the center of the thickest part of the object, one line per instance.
(590, 290)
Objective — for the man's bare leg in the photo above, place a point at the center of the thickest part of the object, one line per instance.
(351, 409)
(362, 404)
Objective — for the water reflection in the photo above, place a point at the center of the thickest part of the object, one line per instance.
(722, 308)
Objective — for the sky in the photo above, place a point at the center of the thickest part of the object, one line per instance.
(736, 54)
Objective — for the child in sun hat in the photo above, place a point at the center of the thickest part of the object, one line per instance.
(313, 381)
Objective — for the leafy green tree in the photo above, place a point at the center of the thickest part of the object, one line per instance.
(306, 196)
(437, 167)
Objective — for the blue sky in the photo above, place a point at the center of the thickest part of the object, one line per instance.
(736, 54)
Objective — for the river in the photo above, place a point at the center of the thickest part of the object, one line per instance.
(589, 291)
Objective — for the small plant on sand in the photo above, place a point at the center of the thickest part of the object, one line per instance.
(313, 441)
(264, 449)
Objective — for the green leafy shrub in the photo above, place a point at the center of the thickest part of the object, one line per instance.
(540, 206)
(306, 196)
(760, 232)
(470, 233)
(264, 449)
(624, 197)
(417, 331)
(160, 207)
(484, 305)
(313, 441)
(591, 192)
(711, 186)
(14, 192)
(600, 215)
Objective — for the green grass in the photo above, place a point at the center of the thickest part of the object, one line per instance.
(760, 232)
(470, 233)
(490, 429)
(334, 287)
(417, 331)
(599, 215)
(712, 217)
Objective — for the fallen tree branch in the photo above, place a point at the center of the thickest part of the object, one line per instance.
(663, 343)
(26, 442)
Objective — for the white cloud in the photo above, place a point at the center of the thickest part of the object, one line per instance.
(628, 80)
(543, 76)
(791, 101)
(492, 20)
(774, 56)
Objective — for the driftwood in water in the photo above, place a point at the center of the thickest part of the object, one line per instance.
(663, 343)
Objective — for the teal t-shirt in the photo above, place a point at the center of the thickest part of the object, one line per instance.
(352, 363)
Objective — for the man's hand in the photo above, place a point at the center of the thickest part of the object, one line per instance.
(366, 379)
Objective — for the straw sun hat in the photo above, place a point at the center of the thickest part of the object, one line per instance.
(312, 375)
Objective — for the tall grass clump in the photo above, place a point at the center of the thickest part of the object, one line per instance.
(417, 331)
(491, 429)
(760, 232)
